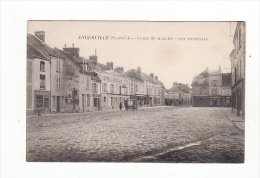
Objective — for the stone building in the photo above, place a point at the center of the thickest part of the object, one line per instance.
(237, 58)
(44, 82)
(209, 87)
(146, 90)
(82, 86)
(178, 94)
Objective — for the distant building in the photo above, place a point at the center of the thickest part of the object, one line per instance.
(237, 58)
(146, 90)
(211, 88)
(178, 94)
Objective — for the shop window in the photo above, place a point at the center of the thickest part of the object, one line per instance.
(39, 101)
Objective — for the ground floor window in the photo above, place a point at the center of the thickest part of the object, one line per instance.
(46, 102)
(88, 100)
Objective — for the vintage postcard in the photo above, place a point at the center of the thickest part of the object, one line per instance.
(135, 91)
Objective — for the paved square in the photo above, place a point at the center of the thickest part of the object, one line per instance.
(142, 135)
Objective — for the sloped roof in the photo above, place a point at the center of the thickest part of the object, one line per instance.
(175, 89)
(95, 65)
(133, 74)
(150, 79)
(201, 79)
(32, 52)
(42, 47)
(226, 78)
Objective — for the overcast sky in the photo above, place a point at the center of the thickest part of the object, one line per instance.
(171, 60)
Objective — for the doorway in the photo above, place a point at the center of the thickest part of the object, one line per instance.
(58, 104)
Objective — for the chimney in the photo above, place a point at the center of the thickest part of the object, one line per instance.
(156, 77)
(93, 58)
(73, 45)
(174, 83)
(219, 69)
(40, 35)
(74, 51)
(65, 46)
(151, 75)
(139, 71)
(110, 64)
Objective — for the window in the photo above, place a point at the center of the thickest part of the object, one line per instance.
(104, 87)
(126, 91)
(88, 100)
(136, 88)
(87, 83)
(42, 66)
(112, 102)
(214, 82)
(214, 91)
(94, 88)
(58, 66)
(39, 101)
(58, 79)
(105, 99)
(42, 82)
(111, 88)
(46, 102)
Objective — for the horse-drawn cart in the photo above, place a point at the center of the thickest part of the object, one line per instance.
(130, 104)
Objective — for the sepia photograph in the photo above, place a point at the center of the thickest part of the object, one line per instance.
(135, 91)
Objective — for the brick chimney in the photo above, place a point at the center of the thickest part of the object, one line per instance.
(74, 51)
(110, 64)
(156, 78)
(40, 35)
(152, 75)
(174, 83)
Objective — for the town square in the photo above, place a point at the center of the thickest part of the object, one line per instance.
(80, 109)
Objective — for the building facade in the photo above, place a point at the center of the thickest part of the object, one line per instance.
(40, 75)
(237, 58)
(178, 94)
(209, 89)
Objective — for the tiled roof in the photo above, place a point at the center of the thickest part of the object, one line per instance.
(42, 47)
(226, 79)
(32, 52)
(150, 79)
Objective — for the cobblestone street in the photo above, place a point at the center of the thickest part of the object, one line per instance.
(166, 134)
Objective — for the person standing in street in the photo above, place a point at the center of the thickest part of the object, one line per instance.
(120, 105)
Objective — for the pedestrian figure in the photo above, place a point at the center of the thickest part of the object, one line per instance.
(120, 105)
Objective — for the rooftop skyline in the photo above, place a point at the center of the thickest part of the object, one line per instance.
(176, 60)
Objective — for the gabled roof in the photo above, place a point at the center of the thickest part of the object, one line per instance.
(42, 47)
(201, 79)
(226, 78)
(32, 52)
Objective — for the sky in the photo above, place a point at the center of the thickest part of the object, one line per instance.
(177, 59)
